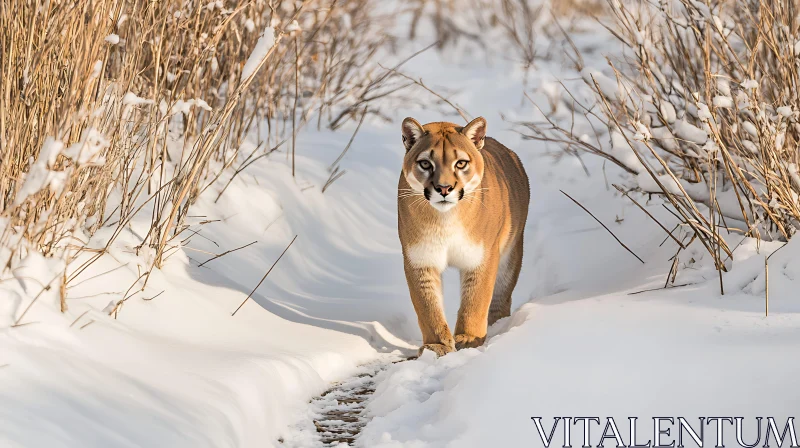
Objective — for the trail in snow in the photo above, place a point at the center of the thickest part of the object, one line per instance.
(340, 411)
(339, 414)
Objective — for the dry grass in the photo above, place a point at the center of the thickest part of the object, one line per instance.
(705, 104)
(484, 22)
(110, 109)
(578, 8)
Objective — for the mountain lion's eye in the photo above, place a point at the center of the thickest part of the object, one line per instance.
(424, 164)
(461, 164)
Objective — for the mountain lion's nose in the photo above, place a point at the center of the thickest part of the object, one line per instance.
(444, 189)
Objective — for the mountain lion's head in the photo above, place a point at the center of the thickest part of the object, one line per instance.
(443, 161)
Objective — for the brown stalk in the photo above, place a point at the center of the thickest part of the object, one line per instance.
(604, 226)
(670, 235)
(226, 253)
(264, 277)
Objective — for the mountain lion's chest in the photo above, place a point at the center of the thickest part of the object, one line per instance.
(448, 246)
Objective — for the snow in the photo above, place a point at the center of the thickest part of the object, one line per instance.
(623, 151)
(642, 133)
(202, 104)
(292, 27)
(785, 111)
(665, 138)
(750, 128)
(613, 89)
(265, 42)
(667, 111)
(218, 4)
(723, 101)
(557, 355)
(97, 68)
(742, 101)
(88, 149)
(131, 98)
(646, 182)
(112, 39)
(164, 367)
(180, 106)
(40, 175)
(724, 87)
(593, 331)
(752, 147)
(750, 84)
(703, 112)
(687, 131)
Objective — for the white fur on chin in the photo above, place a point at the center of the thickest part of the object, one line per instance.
(443, 206)
(443, 203)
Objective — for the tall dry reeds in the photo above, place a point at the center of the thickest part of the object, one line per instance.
(702, 109)
(110, 109)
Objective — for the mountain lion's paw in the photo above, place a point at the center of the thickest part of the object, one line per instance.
(468, 341)
(439, 349)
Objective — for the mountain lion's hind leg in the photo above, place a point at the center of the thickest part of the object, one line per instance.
(507, 276)
(425, 286)
(476, 296)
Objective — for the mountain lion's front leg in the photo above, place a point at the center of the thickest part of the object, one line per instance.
(476, 296)
(425, 286)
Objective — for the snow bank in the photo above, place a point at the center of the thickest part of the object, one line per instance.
(172, 367)
(679, 353)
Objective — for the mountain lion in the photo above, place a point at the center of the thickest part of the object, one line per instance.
(462, 201)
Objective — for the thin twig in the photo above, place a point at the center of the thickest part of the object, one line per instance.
(247, 162)
(336, 174)
(296, 95)
(79, 318)
(151, 298)
(673, 272)
(464, 114)
(265, 276)
(648, 214)
(604, 226)
(45, 288)
(352, 137)
(667, 237)
(766, 286)
(334, 124)
(658, 289)
(225, 253)
(766, 280)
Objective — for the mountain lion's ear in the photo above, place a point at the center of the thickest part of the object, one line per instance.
(412, 131)
(475, 131)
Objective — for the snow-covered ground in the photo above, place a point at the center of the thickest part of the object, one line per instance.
(173, 368)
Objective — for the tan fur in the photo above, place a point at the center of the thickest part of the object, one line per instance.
(481, 234)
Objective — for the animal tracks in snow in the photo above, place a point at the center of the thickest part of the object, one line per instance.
(338, 414)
